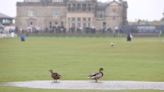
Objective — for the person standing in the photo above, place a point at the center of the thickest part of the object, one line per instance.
(129, 37)
(22, 36)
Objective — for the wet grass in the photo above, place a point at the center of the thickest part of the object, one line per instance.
(76, 57)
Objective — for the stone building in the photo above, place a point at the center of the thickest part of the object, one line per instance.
(71, 14)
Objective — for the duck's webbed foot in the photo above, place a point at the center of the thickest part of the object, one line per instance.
(96, 80)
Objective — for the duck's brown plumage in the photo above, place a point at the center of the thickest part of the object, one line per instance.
(97, 75)
(55, 75)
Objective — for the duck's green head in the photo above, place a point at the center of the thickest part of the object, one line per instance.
(101, 69)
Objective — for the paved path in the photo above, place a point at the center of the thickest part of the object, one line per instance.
(83, 84)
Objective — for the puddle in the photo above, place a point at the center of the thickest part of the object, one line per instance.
(102, 85)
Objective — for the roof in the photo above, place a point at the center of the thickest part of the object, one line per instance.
(4, 16)
(101, 6)
(120, 2)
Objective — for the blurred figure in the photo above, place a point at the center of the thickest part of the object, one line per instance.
(22, 36)
(129, 37)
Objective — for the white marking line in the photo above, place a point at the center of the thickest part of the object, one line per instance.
(90, 85)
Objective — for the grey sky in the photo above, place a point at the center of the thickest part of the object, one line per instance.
(138, 9)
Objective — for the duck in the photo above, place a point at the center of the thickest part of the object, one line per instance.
(56, 76)
(96, 76)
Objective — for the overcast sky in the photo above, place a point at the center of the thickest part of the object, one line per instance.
(138, 9)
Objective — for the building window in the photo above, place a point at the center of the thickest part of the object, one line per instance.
(73, 19)
(114, 10)
(31, 23)
(74, 7)
(84, 7)
(89, 24)
(73, 24)
(56, 12)
(69, 7)
(79, 25)
(89, 7)
(78, 6)
(6, 21)
(101, 15)
(31, 13)
(79, 19)
(89, 19)
(68, 19)
(50, 24)
(84, 25)
(84, 19)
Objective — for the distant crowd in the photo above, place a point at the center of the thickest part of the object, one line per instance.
(62, 29)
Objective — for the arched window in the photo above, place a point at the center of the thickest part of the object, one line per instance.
(114, 9)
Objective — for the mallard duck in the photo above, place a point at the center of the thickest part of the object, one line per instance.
(55, 75)
(97, 75)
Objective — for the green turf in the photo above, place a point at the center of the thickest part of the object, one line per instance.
(76, 57)
(15, 89)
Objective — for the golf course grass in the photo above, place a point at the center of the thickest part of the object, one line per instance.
(76, 57)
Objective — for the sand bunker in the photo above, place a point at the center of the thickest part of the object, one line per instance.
(89, 85)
